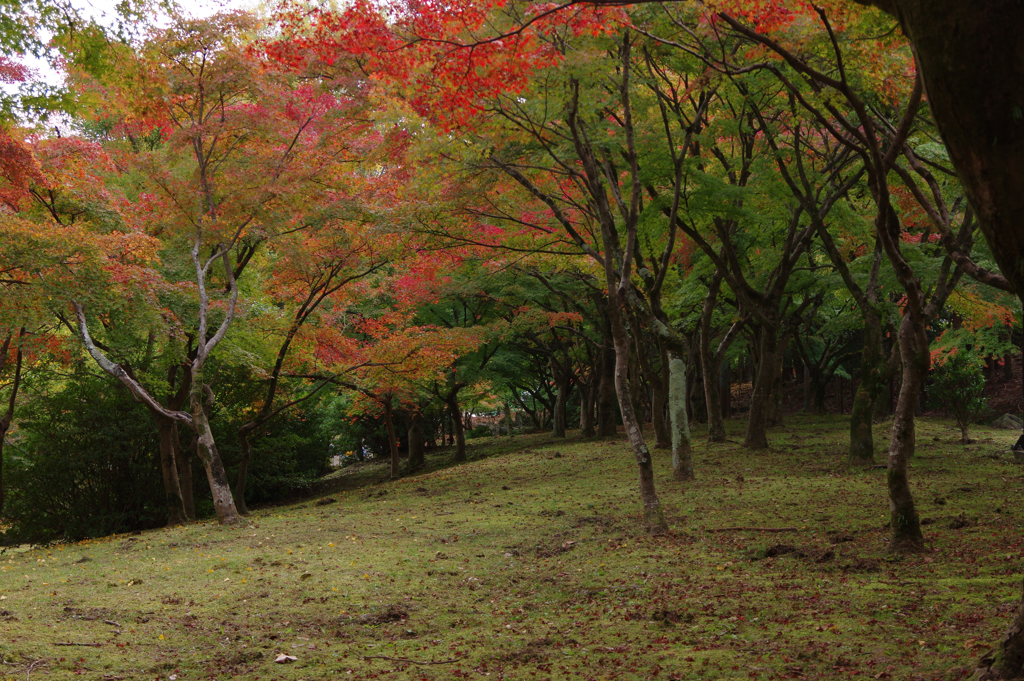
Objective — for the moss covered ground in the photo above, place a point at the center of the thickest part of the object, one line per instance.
(527, 563)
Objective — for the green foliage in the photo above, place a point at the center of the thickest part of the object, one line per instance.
(85, 465)
(959, 386)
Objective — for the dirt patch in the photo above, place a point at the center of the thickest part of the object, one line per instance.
(546, 552)
(389, 613)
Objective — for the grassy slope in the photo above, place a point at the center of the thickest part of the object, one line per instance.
(527, 564)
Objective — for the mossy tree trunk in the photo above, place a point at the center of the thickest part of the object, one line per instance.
(682, 459)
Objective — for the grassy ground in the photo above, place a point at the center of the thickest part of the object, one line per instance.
(526, 563)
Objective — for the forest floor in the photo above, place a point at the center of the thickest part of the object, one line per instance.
(528, 563)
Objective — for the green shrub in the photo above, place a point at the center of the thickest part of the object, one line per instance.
(84, 464)
(958, 384)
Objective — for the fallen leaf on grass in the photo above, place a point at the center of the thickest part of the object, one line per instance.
(285, 659)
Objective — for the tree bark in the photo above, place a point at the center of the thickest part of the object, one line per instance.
(709, 365)
(653, 516)
(1006, 661)
(872, 380)
(508, 419)
(389, 424)
(416, 454)
(206, 447)
(682, 459)
(173, 497)
(606, 421)
(905, 524)
(563, 386)
(757, 423)
(660, 419)
(183, 458)
(452, 400)
(8, 417)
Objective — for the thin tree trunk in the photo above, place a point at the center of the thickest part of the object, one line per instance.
(206, 447)
(460, 435)
(389, 424)
(872, 378)
(8, 417)
(905, 524)
(757, 423)
(725, 391)
(243, 470)
(561, 398)
(711, 367)
(660, 419)
(173, 498)
(654, 517)
(682, 460)
(183, 460)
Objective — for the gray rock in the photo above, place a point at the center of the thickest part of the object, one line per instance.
(1008, 422)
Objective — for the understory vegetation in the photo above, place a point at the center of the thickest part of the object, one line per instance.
(528, 562)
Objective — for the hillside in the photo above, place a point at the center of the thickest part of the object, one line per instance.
(526, 563)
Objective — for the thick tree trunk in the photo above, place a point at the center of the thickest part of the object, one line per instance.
(508, 419)
(1006, 661)
(416, 455)
(872, 379)
(682, 459)
(606, 421)
(968, 55)
(561, 399)
(905, 524)
(757, 423)
(168, 433)
(206, 447)
(773, 415)
(587, 403)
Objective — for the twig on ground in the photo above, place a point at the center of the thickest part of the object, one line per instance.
(111, 623)
(405, 659)
(86, 645)
(752, 529)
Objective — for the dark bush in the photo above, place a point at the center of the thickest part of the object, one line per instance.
(83, 464)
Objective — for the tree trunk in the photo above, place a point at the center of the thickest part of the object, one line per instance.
(416, 455)
(587, 403)
(682, 460)
(457, 430)
(183, 459)
(725, 391)
(389, 424)
(508, 418)
(561, 398)
(8, 417)
(653, 517)
(905, 524)
(606, 421)
(1006, 661)
(757, 423)
(712, 394)
(773, 416)
(206, 447)
(173, 497)
(243, 471)
(663, 428)
(872, 378)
